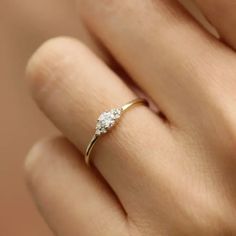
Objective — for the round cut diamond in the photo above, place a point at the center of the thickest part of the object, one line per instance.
(106, 120)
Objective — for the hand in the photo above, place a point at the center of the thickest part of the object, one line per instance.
(155, 177)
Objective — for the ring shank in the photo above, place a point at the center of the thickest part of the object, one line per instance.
(134, 103)
(89, 148)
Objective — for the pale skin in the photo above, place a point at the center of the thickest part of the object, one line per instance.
(150, 177)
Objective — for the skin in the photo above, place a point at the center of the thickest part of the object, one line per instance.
(150, 176)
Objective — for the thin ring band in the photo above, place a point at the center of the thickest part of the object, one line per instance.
(107, 120)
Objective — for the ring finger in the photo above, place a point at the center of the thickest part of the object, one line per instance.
(73, 87)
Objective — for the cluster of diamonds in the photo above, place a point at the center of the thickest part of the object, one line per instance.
(107, 120)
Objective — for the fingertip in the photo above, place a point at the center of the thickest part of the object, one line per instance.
(40, 157)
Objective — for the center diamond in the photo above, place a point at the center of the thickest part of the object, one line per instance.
(106, 120)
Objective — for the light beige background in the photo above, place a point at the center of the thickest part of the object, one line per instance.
(24, 25)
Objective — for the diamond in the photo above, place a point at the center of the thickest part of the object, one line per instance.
(107, 120)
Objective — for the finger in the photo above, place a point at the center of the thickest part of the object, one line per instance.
(72, 199)
(221, 13)
(73, 87)
(93, 43)
(164, 50)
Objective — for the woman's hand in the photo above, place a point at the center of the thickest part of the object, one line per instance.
(158, 177)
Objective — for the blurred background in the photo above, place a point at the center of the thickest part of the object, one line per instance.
(24, 26)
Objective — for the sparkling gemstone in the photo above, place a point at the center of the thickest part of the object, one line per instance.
(106, 120)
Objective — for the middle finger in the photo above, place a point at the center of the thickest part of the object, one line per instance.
(165, 51)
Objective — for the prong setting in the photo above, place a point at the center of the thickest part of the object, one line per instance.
(107, 120)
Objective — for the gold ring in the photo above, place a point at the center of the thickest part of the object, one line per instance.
(107, 120)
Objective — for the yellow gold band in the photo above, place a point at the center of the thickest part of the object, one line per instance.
(107, 120)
